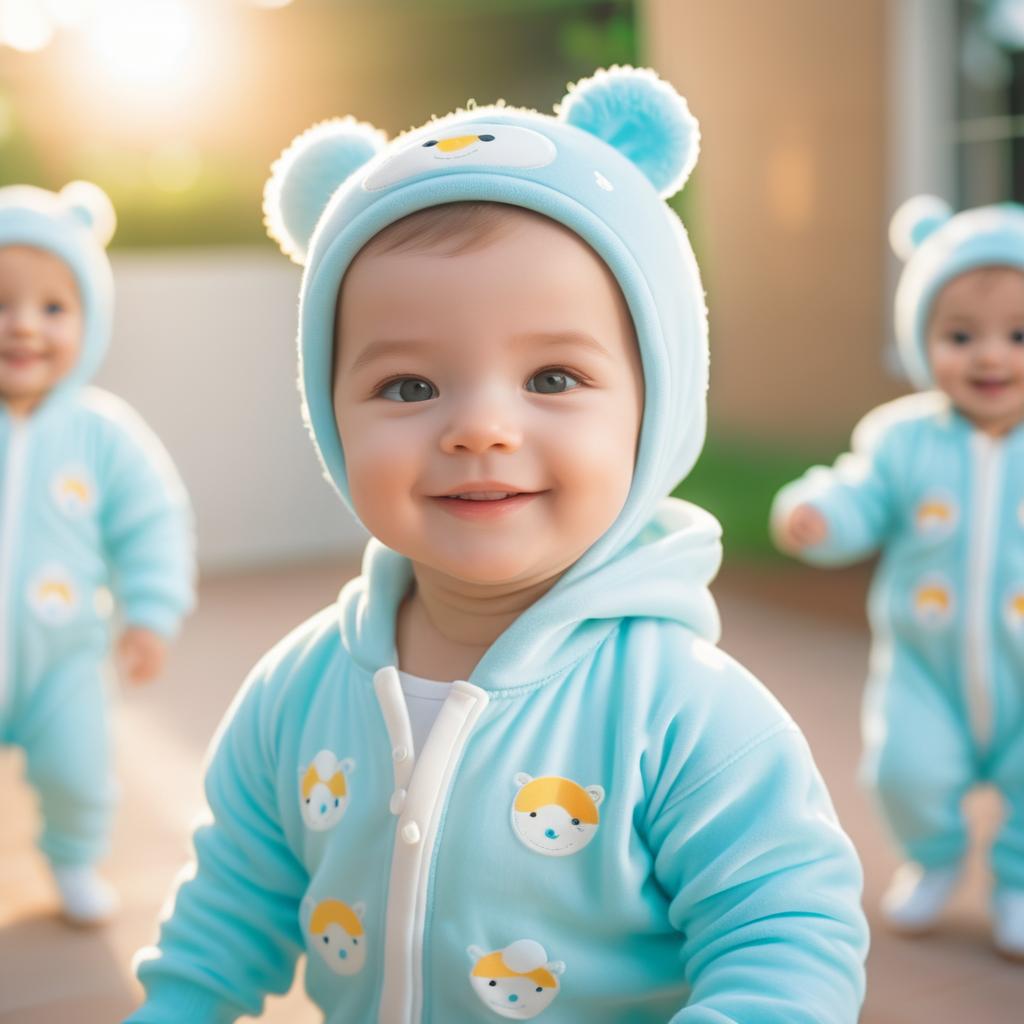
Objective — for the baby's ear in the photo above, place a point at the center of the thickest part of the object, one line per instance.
(914, 221)
(642, 117)
(90, 204)
(306, 175)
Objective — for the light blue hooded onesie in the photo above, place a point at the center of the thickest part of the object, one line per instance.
(944, 708)
(610, 821)
(89, 503)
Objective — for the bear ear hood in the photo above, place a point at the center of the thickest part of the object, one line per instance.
(75, 225)
(642, 117)
(308, 173)
(939, 245)
(621, 142)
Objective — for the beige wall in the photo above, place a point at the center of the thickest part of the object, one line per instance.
(788, 210)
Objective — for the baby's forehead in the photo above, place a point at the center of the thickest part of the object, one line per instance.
(974, 290)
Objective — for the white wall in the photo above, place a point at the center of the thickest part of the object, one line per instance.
(204, 348)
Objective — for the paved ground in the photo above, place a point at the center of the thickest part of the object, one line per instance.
(802, 632)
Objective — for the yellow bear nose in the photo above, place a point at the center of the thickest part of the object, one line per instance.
(459, 142)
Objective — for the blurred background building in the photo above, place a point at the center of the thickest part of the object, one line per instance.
(818, 118)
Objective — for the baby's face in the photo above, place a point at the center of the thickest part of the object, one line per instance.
(976, 346)
(40, 324)
(488, 402)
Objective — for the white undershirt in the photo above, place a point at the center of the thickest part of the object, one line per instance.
(424, 698)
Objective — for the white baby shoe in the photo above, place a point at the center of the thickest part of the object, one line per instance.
(86, 898)
(916, 897)
(1008, 923)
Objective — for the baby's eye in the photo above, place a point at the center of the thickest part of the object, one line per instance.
(1017, 336)
(959, 337)
(551, 382)
(408, 389)
(53, 308)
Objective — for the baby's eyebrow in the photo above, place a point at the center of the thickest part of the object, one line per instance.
(570, 337)
(383, 348)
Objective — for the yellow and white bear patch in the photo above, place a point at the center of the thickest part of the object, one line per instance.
(553, 815)
(1013, 611)
(478, 145)
(516, 982)
(323, 790)
(936, 516)
(53, 596)
(933, 602)
(73, 491)
(336, 932)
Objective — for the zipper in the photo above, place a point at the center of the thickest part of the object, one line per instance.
(421, 789)
(986, 482)
(10, 507)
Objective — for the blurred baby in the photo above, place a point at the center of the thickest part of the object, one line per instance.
(936, 480)
(88, 501)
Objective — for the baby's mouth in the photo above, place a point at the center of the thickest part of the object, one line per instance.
(991, 385)
(19, 358)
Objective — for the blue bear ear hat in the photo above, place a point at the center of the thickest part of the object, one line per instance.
(938, 245)
(621, 142)
(75, 225)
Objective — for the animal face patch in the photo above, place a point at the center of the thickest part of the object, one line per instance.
(516, 982)
(53, 596)
(462, 146)
(555, 816)
(1013, 611)
(935, 516)
(336, 932)
(933, 602)
(323, 790)
(73, 491)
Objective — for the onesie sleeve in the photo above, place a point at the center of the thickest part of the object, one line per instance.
(857, 495)
(233, 935)
(147, 528)
(764, 887)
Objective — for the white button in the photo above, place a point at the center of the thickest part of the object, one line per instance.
(400, 754)
(411, 833)
(397, 801)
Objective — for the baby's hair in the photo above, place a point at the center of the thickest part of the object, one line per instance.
(450, 229)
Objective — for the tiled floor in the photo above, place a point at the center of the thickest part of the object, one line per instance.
(801, 633)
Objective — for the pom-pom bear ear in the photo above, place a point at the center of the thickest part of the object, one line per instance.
(306, 175)
(914, 221)
(91, 205)
(643, 117)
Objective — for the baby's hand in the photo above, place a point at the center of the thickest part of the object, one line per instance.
(803, 527)
(140, 655)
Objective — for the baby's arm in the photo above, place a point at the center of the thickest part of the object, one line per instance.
(832, 516)
(764, 889)
(234, 933)
(147, 531)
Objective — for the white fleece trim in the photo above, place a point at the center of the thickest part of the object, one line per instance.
(986, 484)
(421, 788)
(10, 515)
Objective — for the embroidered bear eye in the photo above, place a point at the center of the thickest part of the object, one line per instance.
(307, 799)
(486, 138)
(326, 940)
(355, 942)
(492, 983)
(432, 142)
(539, 989)
(533, 814)
(336, 802)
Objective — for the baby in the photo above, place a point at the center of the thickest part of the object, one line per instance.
(937, 481)
(509, 774)
(88, 499)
